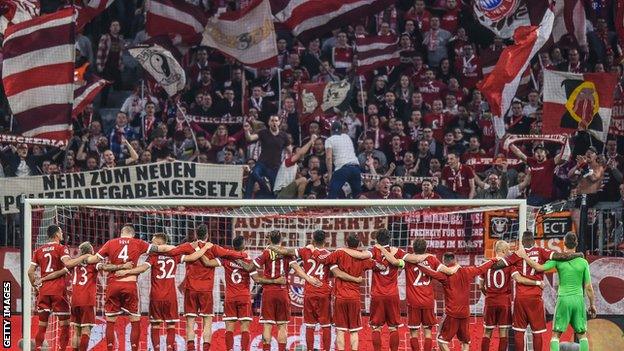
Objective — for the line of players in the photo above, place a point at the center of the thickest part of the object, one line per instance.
(313, 263)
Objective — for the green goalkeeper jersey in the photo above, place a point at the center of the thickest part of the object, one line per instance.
(573, 276)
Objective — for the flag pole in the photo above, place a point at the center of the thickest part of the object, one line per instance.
(364, 109)
(243, 90)
(279, 90)
(186, 119)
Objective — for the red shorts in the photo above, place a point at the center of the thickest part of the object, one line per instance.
(417, 316)
(198, 303)
(347, 315)
(164, 311)
(122, 297)
(529, 311)
(53, 304)
(83, 316)
(317, 309)
(450, 326)
(385, 310)
(496, 316)
(237, 310)
(275, 308)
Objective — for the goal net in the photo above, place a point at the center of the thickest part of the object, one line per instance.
(464, 227)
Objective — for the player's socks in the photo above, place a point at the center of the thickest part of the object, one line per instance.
(554, 344)
(206, 346)
(64, 337)
(428, 344)
(394, 340)
(110, 336)
(310, 338)
(281, 346)
(414, 344)
(229, 340)
(171, 342)
(584, 344)
(538, 342)
(155, 334)
(502, 344)
(519, 339)
(245, 340)
(40, 336)
(135, 335)
(376, 340)
(485, 344)
(327, 339)
(84, 342)
(190, 345)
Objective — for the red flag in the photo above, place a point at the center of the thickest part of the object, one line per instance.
(317, 98)
(378, 51)
(175, 18)
(91, 10)
(84, 95)
(500, 87)
(16, 11)
(38, 74)
(574, 101)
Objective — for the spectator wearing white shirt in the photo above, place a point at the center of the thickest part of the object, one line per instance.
(342, 164)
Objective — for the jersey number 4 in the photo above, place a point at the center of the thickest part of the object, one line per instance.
(316, 271)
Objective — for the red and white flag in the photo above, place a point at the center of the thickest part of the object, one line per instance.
(500, 87)
(309, 19)
(378, 51)
(570, 20)
(38, 74)
(85, 94)
(575, 101)
(16, 11)
(247, 35)
(177, 19)
(89, 11)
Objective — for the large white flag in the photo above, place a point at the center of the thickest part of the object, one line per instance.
(162, 66)
(247, 35)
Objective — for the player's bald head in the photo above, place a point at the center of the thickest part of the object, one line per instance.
(501, 247)
(127, 231)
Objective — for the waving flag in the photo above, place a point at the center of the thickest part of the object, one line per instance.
(178, 19)
(316, 99)
(161, 66)
(38, 74)
(309, 19)
(500, 87)
(574, 101)
(378, 51)
(89, 11)
(247, 35)
(16, 11)
(85, 94)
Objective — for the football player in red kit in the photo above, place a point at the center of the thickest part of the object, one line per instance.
(122, 292)
(163, 301)
(83, 296)
(528, 306)
(347, 305)
(237, 305)
(275, 299)
(457, 297)
(316, 299)
(496, 287)
(54, 263)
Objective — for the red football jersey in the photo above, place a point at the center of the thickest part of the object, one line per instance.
(236, 281)
(354, 267)
(274, 266)
(311, 265)
(48, 259)
(84, 283)
(419, 289)
(457, 287)
(539, 255)
(385, 282)
(122, 250)
(497, 283)
(163, 272)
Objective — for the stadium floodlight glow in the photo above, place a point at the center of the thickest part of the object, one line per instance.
(222, 208)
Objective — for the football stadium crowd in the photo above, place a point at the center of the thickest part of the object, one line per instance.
(419, 129)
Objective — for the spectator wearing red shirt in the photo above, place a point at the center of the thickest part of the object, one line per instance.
(382, 192)
(427, 192)
(437, 120)
(418, 70)
(542, 173)
(431, 89)
(419, 15)
(450, 19)
(375, 132)
(458, 178)
(468, 67)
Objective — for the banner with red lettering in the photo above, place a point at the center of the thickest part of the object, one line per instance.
(617, 118)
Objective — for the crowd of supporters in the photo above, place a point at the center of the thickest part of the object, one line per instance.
(420, 129)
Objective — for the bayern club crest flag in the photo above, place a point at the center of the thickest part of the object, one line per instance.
(575, 101)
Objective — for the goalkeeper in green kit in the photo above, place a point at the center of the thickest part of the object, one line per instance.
(574, 279)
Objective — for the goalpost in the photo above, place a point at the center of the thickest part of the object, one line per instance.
(447, 225)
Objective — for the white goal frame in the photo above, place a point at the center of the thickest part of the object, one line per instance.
(29, 203)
